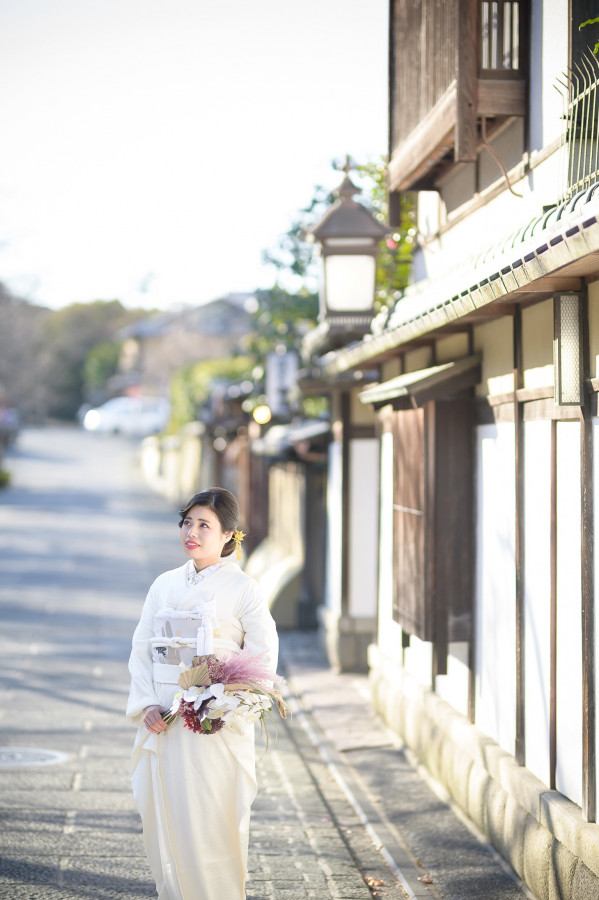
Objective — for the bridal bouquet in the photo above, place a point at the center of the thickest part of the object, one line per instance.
(229, 692)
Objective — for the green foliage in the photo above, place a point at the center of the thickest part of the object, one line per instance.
(281, 318)
(100, 365)
(315, 407)
(395, 250)
(293, 253)
(70, 335)
(191, 386)
(4, 478)
(21, 335)
(591, 22)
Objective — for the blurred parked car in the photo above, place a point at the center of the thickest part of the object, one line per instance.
(131, 416)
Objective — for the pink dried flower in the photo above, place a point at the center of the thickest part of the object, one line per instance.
(245, 667)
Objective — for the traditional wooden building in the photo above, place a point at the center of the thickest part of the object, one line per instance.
(485, 409)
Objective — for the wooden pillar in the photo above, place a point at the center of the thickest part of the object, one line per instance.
(520, 748)
(553, 613)
(345, 499)
(466, 136)
(587, 583)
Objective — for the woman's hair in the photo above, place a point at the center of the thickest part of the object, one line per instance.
(223, 504)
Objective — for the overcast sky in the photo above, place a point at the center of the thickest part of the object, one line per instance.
(153, 148)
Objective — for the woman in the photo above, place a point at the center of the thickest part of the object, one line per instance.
(194, 791)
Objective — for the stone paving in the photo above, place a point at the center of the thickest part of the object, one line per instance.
(80, 541)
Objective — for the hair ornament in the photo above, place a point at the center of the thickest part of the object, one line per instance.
(238, 538)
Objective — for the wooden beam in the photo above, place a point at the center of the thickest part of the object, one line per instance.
(589, 762)
(501, 97)
(553, 612)
(551, 284)
(493, 309)
(426, 144)
(466, 133)
(520, 748)
(345, 410)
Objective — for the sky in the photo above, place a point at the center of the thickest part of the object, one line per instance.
(152, 149)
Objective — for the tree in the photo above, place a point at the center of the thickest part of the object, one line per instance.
(280, 320)
(293, 253)
(21, 331)
(101, 363)
(70, 335)
(395, 250)
(283, 315)
(296, 256)
(594, 21)
(192, 386)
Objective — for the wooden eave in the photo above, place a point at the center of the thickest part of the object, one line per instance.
(416, 388)
(316, 383)
(523, 272)
(416, 158)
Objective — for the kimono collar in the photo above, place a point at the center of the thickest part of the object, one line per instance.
(192, 577)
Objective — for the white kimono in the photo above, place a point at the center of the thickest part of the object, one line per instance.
(194, 791)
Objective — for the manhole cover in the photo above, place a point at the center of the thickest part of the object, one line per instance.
(29, 756)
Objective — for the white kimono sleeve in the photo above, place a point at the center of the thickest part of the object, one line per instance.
(260, 631)
(142, 692)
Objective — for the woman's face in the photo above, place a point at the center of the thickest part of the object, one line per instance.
(202, 536)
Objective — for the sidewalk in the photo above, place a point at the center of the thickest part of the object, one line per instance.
(426, 846)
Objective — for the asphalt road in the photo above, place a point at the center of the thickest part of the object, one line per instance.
(340, 812)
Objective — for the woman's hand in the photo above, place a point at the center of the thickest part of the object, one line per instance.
(153, 720)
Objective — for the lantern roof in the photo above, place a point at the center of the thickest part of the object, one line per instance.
(347, 218)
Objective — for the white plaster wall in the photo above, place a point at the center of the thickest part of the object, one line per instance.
(332, 599)
(389, 632)
(537, 594)
(419, 660)
(569, 634)
(494, 342)
(364, 530)
(427, 220)
(548, 58)
(453, 687)
(495, 592)
(489, 228)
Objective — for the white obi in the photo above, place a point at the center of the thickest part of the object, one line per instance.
(181, 634)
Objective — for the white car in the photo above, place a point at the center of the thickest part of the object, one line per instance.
(131, 416)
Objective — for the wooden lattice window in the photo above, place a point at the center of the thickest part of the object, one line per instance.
(433, 522)
(500, 32)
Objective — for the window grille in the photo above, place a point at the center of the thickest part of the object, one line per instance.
(579, 88)
(500, 37)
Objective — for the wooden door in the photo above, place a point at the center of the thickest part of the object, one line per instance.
(409, 521)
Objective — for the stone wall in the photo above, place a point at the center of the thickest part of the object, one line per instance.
(538, 831)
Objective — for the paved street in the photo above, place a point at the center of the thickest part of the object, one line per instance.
(341, 813)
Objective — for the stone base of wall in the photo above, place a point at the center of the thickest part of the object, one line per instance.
(346, 640)
(539, 832)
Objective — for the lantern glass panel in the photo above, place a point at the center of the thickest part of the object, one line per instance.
(350, 282)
